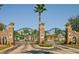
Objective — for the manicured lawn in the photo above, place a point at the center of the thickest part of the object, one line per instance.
(4, 46)
(74, 46)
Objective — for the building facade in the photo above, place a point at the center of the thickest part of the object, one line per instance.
(6, 36)
(71, 36)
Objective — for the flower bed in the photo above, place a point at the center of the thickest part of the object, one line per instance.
(45, 45)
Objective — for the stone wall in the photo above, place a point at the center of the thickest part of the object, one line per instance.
(71, 35)
(6, 36)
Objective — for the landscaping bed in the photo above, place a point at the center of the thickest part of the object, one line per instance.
(4, 46)
(73, 46)
(44, 46)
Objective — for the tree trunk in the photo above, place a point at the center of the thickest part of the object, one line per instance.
(39, 18)
(39, 25)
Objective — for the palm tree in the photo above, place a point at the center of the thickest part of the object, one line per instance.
(74, 22)
(1, 6)
(11, 23)
(2, 26)
(40, 8)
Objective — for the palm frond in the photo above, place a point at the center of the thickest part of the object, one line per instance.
(40, 8)
(1, 5)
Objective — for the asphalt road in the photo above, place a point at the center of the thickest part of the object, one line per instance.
(59, 49)
(28, 48)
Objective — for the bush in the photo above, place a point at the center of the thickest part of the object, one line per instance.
(45, 45)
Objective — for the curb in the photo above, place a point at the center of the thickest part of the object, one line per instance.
(36, 46)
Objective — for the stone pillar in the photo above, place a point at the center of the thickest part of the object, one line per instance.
(41, 32)
(1, 41)
(69, 34)
(10, 33)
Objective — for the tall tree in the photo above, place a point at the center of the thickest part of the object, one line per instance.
(1, 6)
(40, 8)
(74, 21)
(2, 26)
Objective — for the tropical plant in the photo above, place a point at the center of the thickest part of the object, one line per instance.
(18, 36)
(34, 34)
(2, 26)
(40, 8)
(58, 34)
(59, 31)
(11, 23)
(1, 6)
(74, 22)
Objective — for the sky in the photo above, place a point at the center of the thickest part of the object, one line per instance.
(23, 15)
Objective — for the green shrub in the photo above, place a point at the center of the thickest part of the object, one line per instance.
(45, 45)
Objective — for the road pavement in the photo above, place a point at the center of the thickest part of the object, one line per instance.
(31, 49)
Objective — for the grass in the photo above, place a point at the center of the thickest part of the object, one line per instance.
(74, 46)
(4, 46)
